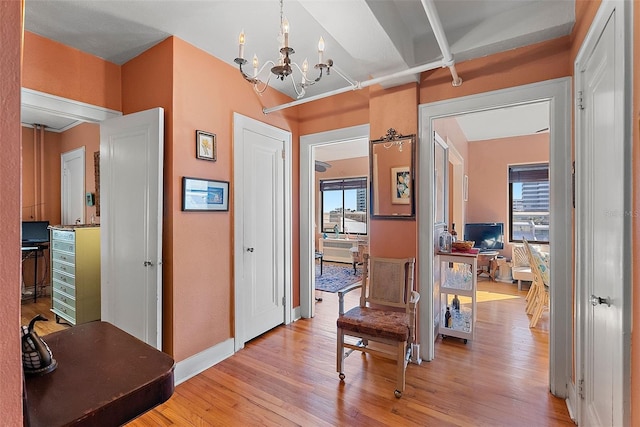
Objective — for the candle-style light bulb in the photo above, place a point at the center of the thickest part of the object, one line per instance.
(305, 67)
(255, 65)
(241, 43)
(320, 50)
(285, 31)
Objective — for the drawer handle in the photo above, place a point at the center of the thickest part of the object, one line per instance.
(64, 289)
(64, 279)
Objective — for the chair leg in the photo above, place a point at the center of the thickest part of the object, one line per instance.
(400, 368)
(340, 354)
(519, 284)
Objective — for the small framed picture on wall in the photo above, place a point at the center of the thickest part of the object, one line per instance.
(205, 145)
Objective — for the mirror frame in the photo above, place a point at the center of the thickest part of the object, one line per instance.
(389, 140)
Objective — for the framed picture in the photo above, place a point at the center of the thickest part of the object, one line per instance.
(205, 145)
(204, 195)
(400, 186)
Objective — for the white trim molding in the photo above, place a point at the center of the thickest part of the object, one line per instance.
(200, 362)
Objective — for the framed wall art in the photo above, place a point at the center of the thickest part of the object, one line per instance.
(400, 186)
(206, 145)
(204, 195)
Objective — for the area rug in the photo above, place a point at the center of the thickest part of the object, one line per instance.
(335, 277)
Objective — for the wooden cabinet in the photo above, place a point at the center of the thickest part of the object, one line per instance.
(75, 274)
(458, 279)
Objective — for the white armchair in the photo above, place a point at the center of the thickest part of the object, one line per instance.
(521, 269)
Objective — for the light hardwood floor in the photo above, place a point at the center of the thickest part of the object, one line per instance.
(287, 377)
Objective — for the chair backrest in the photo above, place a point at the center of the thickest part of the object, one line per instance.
(519, 256)
(387, 282)
(539, 267)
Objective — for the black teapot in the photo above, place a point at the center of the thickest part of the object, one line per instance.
(37, 358)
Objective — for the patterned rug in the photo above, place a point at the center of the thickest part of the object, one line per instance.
(335, 277)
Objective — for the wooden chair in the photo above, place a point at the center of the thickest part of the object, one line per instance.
(385, 315)
(538, 296)
(357, 255)
(521, 270)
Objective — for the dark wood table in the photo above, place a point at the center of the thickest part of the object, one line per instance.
(105, 377)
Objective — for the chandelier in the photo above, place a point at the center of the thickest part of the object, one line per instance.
(284, 66)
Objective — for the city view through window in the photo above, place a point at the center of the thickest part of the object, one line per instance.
(529, 196)
(344, 204)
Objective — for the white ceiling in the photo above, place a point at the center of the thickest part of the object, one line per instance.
(365, 38)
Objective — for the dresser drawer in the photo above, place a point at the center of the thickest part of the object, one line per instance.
(64, 311)
(67, 235)
(63, 256)
(61, 245)
(64, 288)
(66, 299)
(64, 267)
(63, 278)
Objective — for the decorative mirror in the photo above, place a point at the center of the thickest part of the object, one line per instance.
(391, 168)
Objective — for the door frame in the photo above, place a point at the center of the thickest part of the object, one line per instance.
(558, 93)
(308, 206)
(64, 195)
(459, 203)
(624, 117)
(241, 122)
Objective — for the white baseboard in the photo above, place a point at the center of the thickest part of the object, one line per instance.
(297, 314)
(202, 361)
(570, 402)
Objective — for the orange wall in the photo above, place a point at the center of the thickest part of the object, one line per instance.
(54, 68)
(51, 175)
(199, 92)
(488, 163)
(530, 64)
(393, 108)
(10, 358)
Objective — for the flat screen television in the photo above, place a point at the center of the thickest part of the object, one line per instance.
(35, 232)
(486, 235)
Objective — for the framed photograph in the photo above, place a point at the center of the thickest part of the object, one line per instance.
(400, 186)
(204, 195)
(205, 145)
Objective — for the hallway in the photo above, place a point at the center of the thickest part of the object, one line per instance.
(287, 377)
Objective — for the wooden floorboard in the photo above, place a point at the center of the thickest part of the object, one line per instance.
(287, 377)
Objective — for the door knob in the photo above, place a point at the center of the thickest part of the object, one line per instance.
(249, 249)
(148, 263)
(598, 300)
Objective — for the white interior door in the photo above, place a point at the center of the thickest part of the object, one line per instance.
(72, 186)
(260, 227)
(131, 163)
(600, 234)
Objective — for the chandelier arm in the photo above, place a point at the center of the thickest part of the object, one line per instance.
(266, 85)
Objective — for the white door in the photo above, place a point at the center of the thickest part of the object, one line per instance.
(72, 186)
(131, 162)
(600, 207)
(260, 228)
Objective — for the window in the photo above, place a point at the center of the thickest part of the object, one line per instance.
(529, 202)
(344, 203)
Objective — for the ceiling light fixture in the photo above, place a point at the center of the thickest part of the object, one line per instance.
(285, 66)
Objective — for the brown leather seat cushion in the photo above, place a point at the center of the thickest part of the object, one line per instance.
(376, 323)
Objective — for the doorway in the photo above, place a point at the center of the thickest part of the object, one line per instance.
(308, 206)
(72, 186)
(557, 93)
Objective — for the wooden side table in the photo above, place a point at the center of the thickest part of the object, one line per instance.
(105, 377)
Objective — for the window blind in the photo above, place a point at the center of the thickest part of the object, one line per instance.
(529, 173)
(343, 184)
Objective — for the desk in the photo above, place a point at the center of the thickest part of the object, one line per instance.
(27, 252)
(105, 377)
